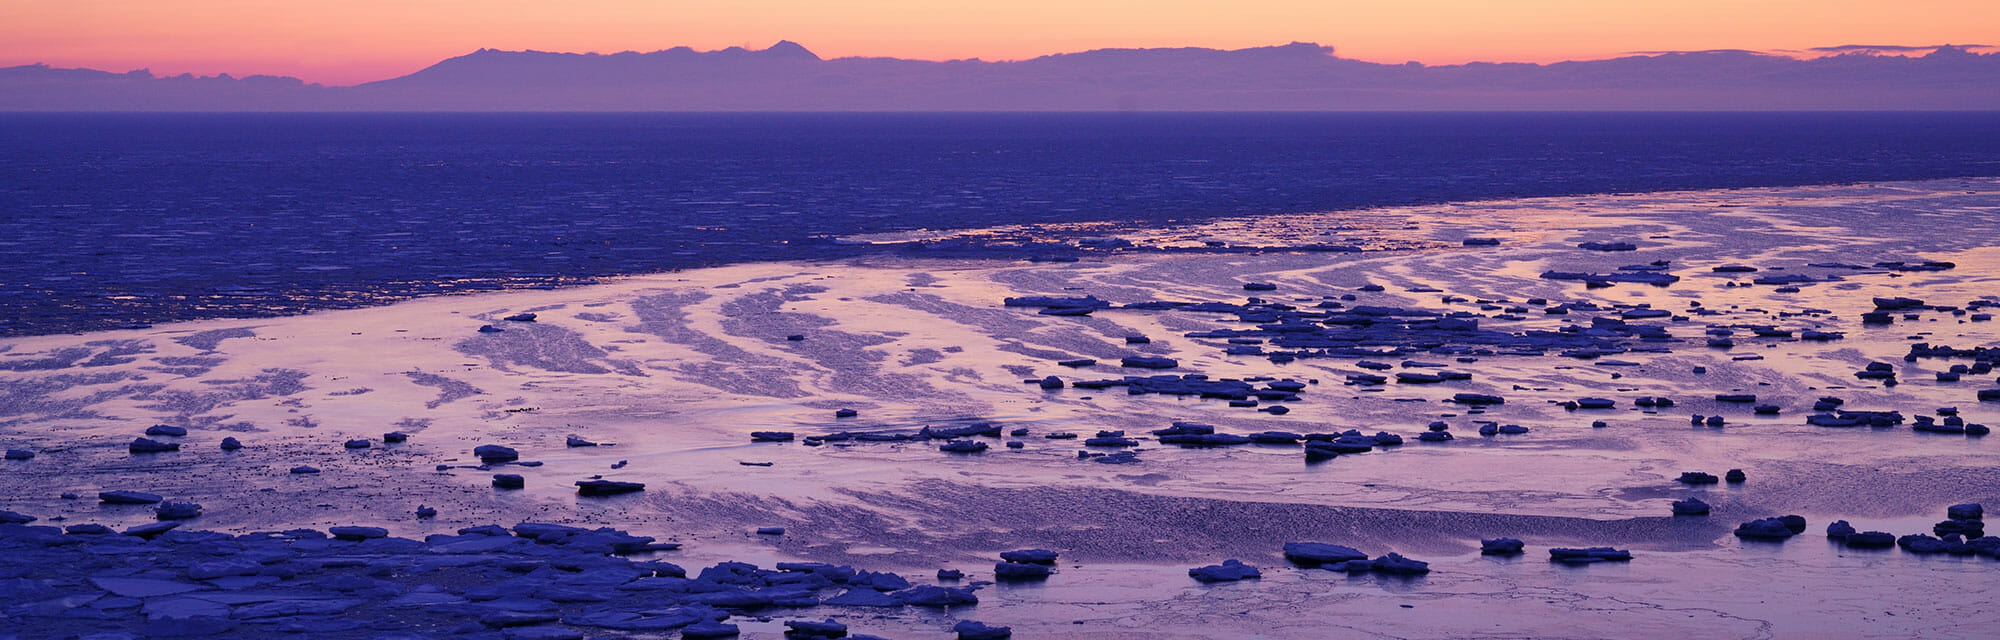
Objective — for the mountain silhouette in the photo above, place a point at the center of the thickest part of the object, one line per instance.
(1296, 76)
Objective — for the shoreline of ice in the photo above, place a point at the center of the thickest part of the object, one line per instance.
(677, 369)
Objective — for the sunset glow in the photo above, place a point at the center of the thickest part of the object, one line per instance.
(353, 41)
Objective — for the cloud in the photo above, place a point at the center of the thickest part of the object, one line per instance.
(1815, 51)
(1663, 52)
(1894, 48)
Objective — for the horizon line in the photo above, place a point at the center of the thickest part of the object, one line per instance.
(1122, 112)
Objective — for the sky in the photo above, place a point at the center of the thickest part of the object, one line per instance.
(343, 42)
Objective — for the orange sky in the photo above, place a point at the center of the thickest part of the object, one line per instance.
(351, 41)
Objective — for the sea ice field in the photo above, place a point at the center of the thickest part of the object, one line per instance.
(1566, 417)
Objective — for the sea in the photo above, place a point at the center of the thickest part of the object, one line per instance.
(125, 220)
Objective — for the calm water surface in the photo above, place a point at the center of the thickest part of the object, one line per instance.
(114, 220)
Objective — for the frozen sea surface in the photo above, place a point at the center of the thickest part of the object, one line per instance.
(676, 370)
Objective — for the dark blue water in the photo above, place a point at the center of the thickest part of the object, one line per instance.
(113, 220)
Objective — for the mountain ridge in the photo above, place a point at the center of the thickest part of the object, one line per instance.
(1296, 76)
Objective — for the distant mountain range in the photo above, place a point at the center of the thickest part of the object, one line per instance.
(1297, 76)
